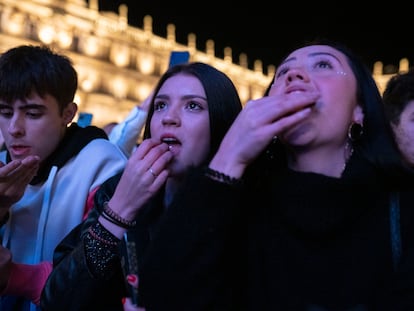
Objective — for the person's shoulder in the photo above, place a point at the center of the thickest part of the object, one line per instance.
(102, 147)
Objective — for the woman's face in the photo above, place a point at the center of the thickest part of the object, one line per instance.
(181, 119)
(325, 70)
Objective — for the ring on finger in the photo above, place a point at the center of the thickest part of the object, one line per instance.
(152, 172)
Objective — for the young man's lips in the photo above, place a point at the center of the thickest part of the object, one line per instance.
(20, 150)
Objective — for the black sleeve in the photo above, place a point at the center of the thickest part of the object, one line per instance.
(196, 257)
(71, 285)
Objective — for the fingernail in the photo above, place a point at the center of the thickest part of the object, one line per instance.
(131, 278)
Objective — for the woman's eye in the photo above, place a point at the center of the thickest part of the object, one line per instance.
(323, 64)
(159, 105)
(281, 72)
(194, 106)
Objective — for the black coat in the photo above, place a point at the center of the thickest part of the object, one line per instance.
(287, 241)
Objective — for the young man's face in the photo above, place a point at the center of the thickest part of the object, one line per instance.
(34, 126)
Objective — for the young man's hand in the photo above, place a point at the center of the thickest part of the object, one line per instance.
(14, 177)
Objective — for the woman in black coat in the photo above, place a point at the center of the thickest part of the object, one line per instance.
(327, 203)
(193, 106)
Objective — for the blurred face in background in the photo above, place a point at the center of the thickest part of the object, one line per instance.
(404, 133)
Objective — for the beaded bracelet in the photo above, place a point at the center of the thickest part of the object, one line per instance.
(114, 221)
(221, 177)
(114, 218)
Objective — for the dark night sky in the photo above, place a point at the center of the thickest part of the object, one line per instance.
(268, 34)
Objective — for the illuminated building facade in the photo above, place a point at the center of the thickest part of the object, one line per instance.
(118, 64)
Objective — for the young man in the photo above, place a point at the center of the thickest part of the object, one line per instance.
(47, 170)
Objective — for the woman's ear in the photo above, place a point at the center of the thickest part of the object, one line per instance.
(358, 115)
(69, 113)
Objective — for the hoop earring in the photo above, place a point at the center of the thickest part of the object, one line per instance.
(355, 131)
